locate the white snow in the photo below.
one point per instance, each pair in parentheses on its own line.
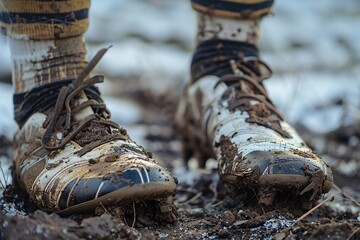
(8,126)
(306,97)
(156,20)
(5,63)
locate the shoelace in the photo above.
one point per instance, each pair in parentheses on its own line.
(62,116)
(243,73)
(238,65)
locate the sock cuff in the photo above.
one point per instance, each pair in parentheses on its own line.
(213,57)
(37,99)
(44,20)
(237,9)
(40,99)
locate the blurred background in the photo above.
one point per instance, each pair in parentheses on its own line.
(312,46)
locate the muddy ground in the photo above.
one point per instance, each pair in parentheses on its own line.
(205,211)
(316,62)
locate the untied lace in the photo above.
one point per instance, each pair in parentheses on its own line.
(238,66)
(242,97)
(63,112)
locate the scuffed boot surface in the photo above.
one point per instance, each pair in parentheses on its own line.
(226,113)
(71,158)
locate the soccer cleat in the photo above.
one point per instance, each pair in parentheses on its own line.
(226,113)
(70,157)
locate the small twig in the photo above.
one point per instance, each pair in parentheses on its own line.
(134,220)
(124,219)
(191,199)
(104,208)
(259,201)
(249,200)
(346,195)
(314,208)
(353,233)
(7,180)
(217,204)
(186,190)
(3,185)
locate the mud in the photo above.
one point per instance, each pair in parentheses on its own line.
(229,154)
(202,202)
(41,225)
(264,112)
(317,180)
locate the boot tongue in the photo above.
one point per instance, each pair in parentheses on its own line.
(263,73)
(258,108)
(82,114)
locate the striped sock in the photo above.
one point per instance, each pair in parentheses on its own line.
(236,20)
(46,40)
(238,9)
(212,27)
(228,30)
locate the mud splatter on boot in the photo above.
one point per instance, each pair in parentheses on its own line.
(70,157)
(226,113)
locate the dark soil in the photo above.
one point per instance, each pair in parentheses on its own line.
(205,211)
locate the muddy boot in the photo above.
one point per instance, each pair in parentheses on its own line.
(226,113)
(70,157)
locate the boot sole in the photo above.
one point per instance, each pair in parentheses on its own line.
(140,192)
(265,186)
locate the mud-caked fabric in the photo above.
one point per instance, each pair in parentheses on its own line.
(239,9)
(70,157)
(45,19)
(45,39)
(213,57)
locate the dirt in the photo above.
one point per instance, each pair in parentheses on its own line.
(204,208)
(317,180)
(5,145)
(229,154)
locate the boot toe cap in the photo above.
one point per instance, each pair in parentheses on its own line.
(135,180)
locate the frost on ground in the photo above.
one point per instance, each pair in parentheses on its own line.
(314,51)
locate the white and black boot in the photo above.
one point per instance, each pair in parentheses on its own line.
(71,158)
(226,113)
